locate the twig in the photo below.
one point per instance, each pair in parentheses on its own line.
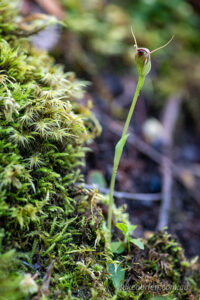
(53,7)
(26,29)
(170,114)
(44,290)
(130,196)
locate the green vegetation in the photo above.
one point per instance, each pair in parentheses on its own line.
(119,149)
(143,63)
(9,277)
(127,231)
(52,229)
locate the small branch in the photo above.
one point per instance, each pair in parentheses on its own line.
(47,277)
(166,195)
(124,195)
(26,28)
(170,114)
(52,7)
(44,290)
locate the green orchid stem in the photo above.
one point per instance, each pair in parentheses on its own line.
(118,153)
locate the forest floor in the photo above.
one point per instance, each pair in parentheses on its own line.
(169,167)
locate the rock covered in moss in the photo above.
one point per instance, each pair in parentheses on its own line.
(43,131)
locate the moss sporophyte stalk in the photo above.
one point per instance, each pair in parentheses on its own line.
(143,64)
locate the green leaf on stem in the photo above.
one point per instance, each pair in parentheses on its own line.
(117,247)
(126,229)
(123,227)
(119,149)
(138,243)
(117,275)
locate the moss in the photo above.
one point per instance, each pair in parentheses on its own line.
(9,277)
(43,131)
(161,269)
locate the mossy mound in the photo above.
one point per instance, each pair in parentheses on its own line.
(56,227)
(42,131)
(160,269)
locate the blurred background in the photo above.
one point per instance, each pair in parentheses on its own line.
(159,174)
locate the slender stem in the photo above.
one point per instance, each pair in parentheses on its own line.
(117,157)
(131,110)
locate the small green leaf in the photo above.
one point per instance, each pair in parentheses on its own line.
(117,275)
(138,243)
(117,247)
(119,149)
(96,177)
(123,227)
(131,228)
